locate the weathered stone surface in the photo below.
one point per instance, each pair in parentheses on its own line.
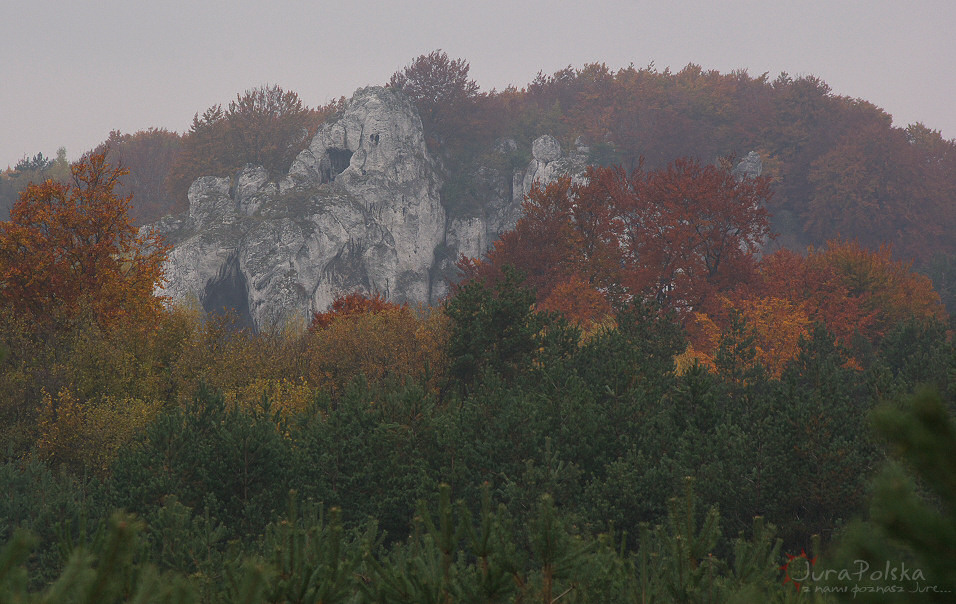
(360,209)
(546,148)
(253,189)
(749,167)
(548,165)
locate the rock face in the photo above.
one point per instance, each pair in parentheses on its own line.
(749,167)
(360,209)
(549,164)
(503,194)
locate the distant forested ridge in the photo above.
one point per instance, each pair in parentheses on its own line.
(840,169)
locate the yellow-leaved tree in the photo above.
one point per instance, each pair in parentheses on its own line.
(377,339)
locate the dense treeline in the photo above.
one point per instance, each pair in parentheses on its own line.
(266,126)
(545,435)
(625,400)
(565,443)
(839,167)
(689,237)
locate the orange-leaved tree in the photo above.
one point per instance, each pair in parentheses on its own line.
(70,249)
(776,324)
(696,232)
(855,292)
(852,289)
(885,287)
(351,304)
(377,339)
(681,235)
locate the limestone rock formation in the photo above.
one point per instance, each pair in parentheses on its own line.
(749,167)
(549,164)
(360,209)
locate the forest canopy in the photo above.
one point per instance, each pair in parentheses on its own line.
(668,382)
(839,168)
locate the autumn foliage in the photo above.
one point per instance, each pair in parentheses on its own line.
(442,91)
(70,249)
(679,235)
(689,237)
(350,305)
(585,427)
(372,337)
(267,126)
(840,168)
(148,156)
(852,291)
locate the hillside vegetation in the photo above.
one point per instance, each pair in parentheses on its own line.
(649,390)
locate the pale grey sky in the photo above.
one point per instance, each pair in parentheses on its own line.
(71,71)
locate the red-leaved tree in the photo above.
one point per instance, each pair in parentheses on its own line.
(679,235)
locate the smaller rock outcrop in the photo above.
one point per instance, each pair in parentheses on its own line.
(502,196)
(749,167)
(548,164)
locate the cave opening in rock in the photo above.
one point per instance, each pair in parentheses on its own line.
(227,295)
(338,161)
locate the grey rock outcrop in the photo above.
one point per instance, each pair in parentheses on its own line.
(749,167)
(548,164)
(502,194)
(360,209)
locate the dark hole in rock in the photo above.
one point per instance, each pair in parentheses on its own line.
(338,161)
(228,295)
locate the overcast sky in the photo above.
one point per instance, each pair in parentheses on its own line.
(71,71)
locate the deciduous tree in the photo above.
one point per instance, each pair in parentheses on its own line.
(267,126)
(679,235)
(697,233)
(441,90)
(885,287)
(351,304)
(854,292)
(376,339)
(148,155)
(69,249)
